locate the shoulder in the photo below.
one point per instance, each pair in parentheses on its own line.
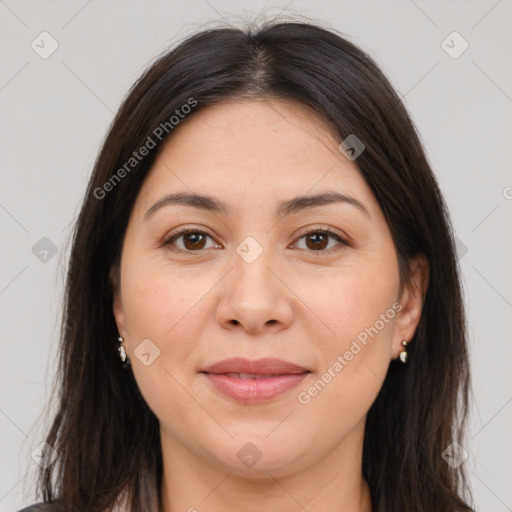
(43,507)
(37,507)
(57,506)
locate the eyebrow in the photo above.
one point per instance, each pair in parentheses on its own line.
(288,207)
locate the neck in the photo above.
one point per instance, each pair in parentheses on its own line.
(195,484)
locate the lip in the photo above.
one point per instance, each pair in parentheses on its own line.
(264,366)
(254,390)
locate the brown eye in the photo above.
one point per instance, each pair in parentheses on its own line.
(317,241)
(191,241)
(320,241)
(194,241)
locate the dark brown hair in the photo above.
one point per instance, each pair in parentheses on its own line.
(106,436)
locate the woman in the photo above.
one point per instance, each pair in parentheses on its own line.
(263,306)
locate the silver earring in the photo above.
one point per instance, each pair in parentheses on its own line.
(125,362)
(403,353)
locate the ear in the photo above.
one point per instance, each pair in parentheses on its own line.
(117,308)
(117,304)
(411,300)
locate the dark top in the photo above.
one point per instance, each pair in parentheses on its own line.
(149,497)
(43,507)
(46,507)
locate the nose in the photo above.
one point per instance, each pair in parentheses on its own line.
(254,297)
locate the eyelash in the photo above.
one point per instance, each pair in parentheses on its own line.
(324,231)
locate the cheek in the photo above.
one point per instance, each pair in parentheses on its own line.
(362,302)
(352,299)
(161,300)
(163,305)
(358,306)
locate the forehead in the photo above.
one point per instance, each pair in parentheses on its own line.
(253,131)
(256,149)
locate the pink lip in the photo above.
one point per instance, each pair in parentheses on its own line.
(251,391)
(262,366)
(254,391)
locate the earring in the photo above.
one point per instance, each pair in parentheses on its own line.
(125,362)
(403,353)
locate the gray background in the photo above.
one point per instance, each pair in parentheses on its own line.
(55,113)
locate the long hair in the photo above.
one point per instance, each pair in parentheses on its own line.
(106,436)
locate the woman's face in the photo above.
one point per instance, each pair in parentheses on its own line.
(249,282)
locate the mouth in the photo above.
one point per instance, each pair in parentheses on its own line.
(264,367)
(256,376)
(254,381)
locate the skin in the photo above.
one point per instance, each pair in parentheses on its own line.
(293,302)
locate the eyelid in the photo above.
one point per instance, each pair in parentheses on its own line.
(343,240)
(183,230)
(325,229)
(328,230)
